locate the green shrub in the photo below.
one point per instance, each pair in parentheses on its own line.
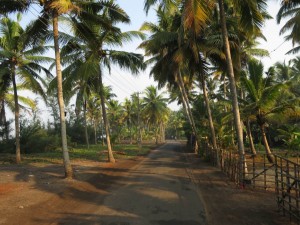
(34,138)
(8,146)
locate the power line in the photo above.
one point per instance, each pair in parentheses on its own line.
(278,47)
(122,77)
(121,82)
(116,85)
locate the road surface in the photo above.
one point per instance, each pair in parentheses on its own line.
(167,187)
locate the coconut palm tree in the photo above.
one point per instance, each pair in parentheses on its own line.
(20,58)
(94,110)
(234,96)
(155,110)
(175,124)
(136,119)
(116,118)
(128,113)
(91,49)
(76,83)
(164,48)
(51,10)
(94,113)
(4,90)
(262,96)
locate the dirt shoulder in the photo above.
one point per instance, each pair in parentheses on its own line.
(38,188)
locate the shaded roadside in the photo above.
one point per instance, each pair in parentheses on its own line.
(227,204)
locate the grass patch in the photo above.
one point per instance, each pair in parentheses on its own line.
(94,153)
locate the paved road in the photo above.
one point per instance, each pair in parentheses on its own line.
(158,191)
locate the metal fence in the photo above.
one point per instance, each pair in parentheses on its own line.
(281,176)
(287,187)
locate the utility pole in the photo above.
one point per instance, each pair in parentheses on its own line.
(139,124)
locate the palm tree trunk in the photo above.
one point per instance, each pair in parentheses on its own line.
(188,109)
(163,133)
(130,133)
(235,106)
(17,118)
(3,120)
(85,126)
(95,132)
(109,148)
(210,120)
(139,123)
(225,92)
(2,113)
(266,144)
(249,134)
(156,137)
(102,130)
(66,158)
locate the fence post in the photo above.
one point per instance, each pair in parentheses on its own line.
(282,187)
(296,188)
(265,173)
(253,170)
(277,182)
(288,181)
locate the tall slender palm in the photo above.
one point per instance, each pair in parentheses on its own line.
(94,109)
(164,47)
(76,84)
(51,10)
(19,58)
(235,106)
(94,112)
(93,51)
(195,18)
(251,19)
(262,95)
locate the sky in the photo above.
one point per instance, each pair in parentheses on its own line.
(275,43)
(124,84)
